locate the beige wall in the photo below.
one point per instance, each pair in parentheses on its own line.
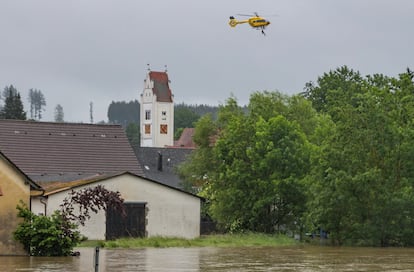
(149,102)
(169,212)
(14,189)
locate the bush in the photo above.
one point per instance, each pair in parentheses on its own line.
(46,235)
(57,235)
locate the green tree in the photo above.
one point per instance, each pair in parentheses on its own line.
(184,117)
(361,184)
(13,106)
(133,134)
(59,115)
(37,103)
(195,171)
(259,161)
(339,85)
(123,113)
(9,90)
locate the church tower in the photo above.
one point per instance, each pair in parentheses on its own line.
(157,111)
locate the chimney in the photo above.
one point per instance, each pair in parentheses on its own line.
(159,161)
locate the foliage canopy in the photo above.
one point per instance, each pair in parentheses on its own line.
(338,158)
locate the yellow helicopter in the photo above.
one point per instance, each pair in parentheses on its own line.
(254,21)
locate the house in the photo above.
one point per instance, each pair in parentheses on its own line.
(15,186)
(59,157)
(186,139)
(160,164)
(157,111)
(46,150)
(157,209)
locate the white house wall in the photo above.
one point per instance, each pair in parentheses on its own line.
(170,212)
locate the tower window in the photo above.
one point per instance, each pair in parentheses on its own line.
(163,129)
(147,115)
(147,129)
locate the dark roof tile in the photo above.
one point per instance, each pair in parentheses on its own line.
(40,148)
(171,158)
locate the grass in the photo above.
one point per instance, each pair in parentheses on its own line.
(217,240)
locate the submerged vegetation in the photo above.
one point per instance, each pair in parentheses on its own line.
(222,240)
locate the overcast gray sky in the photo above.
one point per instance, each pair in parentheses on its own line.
(82,51)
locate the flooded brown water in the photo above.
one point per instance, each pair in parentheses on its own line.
(305,258)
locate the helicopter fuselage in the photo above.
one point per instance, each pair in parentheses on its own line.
(255,22)
(258,22)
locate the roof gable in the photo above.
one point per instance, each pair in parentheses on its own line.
(33,184)
(45,148)
(186,139)
(161,88)
(56,187)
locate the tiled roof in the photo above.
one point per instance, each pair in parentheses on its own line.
(33,185)
(42,149)
(149,158)
(161,87)
(186,139)
(51,188)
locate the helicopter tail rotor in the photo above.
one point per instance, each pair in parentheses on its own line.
(233,22)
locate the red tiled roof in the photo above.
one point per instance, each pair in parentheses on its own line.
(186,139)
(40,148)
(161,87)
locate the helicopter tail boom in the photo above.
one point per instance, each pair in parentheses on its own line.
(233,22)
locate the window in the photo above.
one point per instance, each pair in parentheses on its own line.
(163,129)
(164,115)
(147,115)
(147,129)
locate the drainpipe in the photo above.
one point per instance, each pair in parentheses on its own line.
(43,200)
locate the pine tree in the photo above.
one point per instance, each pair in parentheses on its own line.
(37,103)
(59,113)
(13,107)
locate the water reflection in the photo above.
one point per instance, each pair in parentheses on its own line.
(223,259)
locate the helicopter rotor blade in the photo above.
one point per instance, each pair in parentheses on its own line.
(249,15)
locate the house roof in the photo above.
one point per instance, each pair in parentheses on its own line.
(46,149)
(186,139)
(161,88)
(33,184)
(149,158)
(51,188)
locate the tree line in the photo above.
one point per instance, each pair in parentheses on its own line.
(337,158)
(13,108)
(127,114)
